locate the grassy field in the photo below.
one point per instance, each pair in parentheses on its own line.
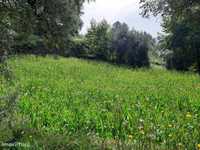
(116,106)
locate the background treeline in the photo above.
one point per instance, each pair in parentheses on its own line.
(116,43)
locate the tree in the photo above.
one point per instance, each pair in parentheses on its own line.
(120,40)
(98,39)
(181,23)
(139,46)
(130,46)
(54,22)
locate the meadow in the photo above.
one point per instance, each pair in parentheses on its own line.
(114,106)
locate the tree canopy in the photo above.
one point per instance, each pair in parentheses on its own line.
(182,27)
(52,22)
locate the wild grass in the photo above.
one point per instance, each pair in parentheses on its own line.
(116,106)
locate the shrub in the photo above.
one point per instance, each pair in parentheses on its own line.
(78,47)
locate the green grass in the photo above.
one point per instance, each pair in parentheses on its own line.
(154,109)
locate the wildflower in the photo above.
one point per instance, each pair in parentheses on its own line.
(179,144)
(141,128)
(170,126)
(142,132)
(112,142)
(141,121)
(188,115)
(130,136)
(198,146)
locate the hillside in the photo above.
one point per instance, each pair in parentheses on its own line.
(60,96)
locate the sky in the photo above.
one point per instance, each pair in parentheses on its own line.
(119,10)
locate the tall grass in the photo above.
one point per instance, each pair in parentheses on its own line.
(116,106)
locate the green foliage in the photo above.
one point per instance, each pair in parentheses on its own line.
(131,47)
(6,36)
(181,23)
(186,47)
(120,40)
(52,22)
(118,44)
(98,40)
(78,48)
(115,107)
(31,44)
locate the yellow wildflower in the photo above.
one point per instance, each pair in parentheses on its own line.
(130,136)
(198,146)
(170,126)
(188,115)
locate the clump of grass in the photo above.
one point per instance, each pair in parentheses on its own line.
(145,109)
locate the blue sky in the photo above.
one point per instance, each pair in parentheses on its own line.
(119,10)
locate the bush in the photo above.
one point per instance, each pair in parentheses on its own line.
(180,60)
(30,44)
(78,48)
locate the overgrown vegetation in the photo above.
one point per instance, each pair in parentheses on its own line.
(112,106)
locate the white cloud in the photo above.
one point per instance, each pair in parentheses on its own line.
(119,10)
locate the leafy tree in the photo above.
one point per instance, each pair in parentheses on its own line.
(120,40)
(139,46)
(181,23)
(131,47)
(78,47)
(98,39)
(54,22)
